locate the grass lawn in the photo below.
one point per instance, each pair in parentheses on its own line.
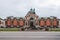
(9,29)
(18,29)
(54,29)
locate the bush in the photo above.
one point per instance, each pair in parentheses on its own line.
(54,29)
(9,29)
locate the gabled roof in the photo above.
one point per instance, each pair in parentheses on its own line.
(32,11)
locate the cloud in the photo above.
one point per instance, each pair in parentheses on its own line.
(21,7)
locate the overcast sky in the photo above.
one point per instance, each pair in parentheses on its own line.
(20,8)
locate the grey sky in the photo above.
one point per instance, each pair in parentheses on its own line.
(20,8)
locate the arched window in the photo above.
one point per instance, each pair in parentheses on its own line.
(31,18)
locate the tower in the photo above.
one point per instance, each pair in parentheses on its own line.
(31,19)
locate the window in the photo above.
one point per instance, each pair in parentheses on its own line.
(31,18)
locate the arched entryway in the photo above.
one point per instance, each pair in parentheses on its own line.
(31,24)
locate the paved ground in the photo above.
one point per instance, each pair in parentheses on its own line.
(29,35)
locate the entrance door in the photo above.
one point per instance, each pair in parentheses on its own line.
(31,24)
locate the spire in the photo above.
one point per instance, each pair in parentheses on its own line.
(32,10)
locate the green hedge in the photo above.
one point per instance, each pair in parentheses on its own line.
(9,29)
(18,29)
(54,29)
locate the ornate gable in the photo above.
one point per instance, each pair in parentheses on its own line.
(31,14)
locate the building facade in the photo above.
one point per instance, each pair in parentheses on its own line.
(31,19)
